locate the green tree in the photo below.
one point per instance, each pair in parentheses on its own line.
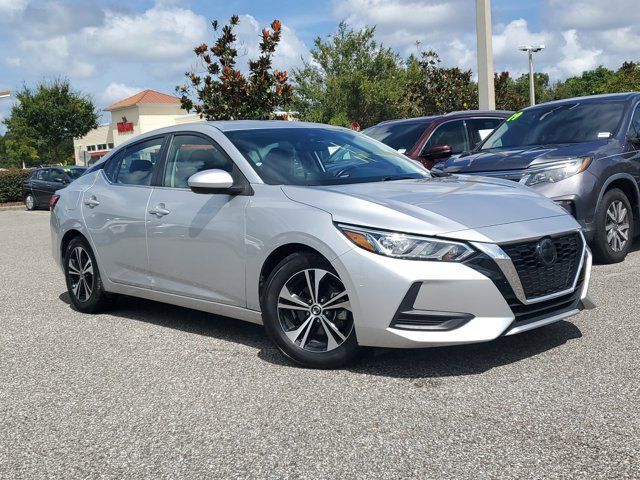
(541,85)
(508,96)
(223,92)
(626,79)
(350,78)
(44,121)
(590,82)
(432,89)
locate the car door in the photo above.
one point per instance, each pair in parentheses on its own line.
(114,210)
(40,186)
(632,148)
(195,240)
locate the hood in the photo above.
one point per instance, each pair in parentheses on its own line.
(518,158)
(430,206)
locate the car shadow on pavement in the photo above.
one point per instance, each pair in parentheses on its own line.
(458,360)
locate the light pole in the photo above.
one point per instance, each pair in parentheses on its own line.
(486,91)
(531,49)
(5,94)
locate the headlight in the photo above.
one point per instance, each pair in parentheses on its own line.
(555,171)
(409,247)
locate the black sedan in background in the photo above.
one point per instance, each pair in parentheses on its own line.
(44,181)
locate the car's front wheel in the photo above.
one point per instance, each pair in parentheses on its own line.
(30,202)
(614,227)
(83,277)
(307,312)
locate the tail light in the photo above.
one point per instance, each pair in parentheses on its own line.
(53,200)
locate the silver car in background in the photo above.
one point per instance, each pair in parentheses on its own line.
(330,239)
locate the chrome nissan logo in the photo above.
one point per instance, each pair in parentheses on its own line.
(546,252)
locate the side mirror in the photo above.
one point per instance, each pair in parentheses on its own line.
(438,152)
(211,181)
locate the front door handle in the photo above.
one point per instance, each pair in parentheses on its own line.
(92,202)
(159,210)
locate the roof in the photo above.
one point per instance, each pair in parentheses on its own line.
(145,97)
(593,98)
(460,114)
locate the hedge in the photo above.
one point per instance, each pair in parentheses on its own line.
(11,184)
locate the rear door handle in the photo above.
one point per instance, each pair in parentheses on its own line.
(159,210)
(92,202)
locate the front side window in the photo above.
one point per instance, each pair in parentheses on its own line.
(321,156)
(135,167)
(577,122)
(480,128)
(450,133)
(57,176)
(43,175)
(634,128)
(191,154)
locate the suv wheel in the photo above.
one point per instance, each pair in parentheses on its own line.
(83,277)
(614,227)
(307,314)
(30,202)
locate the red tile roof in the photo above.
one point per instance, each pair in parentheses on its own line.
(146,96)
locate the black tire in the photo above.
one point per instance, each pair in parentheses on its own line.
(277,319)
(604,250)
(85,289)
(30,202)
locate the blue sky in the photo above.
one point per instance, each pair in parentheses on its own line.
(112,49)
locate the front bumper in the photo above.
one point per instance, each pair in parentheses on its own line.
(474,308)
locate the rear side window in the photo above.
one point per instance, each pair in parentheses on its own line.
(191,154)
(135,166)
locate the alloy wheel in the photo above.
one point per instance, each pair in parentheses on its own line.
(30,202)
(80,269)
(314,310)
(617,226)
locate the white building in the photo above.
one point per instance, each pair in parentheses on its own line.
(141,113)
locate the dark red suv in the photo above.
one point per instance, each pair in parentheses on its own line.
(430,140)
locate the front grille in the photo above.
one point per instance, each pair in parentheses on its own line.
(538,279)
(535,311)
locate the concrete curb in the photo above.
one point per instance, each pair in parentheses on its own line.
(13,207)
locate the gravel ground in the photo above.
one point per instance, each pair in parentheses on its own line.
(154,391)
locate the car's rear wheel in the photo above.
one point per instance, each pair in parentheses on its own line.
(30,202)
(614,227)
(83,277)
(307,312)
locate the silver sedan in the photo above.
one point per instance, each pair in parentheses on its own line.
(330,239)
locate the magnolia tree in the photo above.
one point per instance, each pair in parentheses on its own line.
(222,92)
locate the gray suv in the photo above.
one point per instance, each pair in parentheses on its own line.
(584,153)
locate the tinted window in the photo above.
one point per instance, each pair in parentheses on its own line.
(480,128)
(319,156)
(56,175)
(450,133)
(557,124)
(135,166)
(634,128)
(74,172)
(190,154)
(401,136)
(43,174)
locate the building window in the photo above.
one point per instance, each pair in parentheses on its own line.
(110,146)
(102,146)
(91,148)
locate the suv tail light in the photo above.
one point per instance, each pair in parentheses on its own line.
(53,200)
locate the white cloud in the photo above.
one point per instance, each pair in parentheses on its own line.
(576,58)
(116,91)
(9,9)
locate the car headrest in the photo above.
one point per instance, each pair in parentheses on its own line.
(209,160)
(140,166)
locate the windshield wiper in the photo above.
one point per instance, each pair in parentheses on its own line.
(398,177)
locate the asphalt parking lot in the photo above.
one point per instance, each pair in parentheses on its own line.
(154,391)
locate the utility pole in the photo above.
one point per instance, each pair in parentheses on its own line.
(531,49)
(486,91)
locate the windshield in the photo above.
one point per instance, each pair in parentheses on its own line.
(556,124)
(401,136)
(74,172)
(321,156)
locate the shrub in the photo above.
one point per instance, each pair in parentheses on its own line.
(11,184)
